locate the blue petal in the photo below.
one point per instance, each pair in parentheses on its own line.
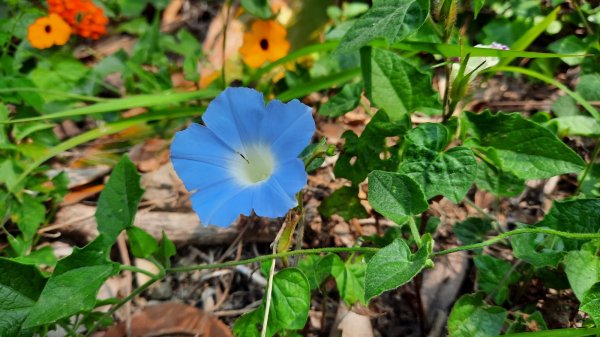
(234,115)
(291,175)
(221,204)
(271,200)
(288,127)
(200,158)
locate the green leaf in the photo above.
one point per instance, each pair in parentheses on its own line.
(573,216)
(142,244)
(396,196)
(345,203)
(258,8)
(500,183)
(20,287)
(450,173)
(472,230)
(43,256)
(309,265)
(30,214)
(477,5)
(589,87)
(583,271)
(494,276)
(344,101)
(539,250)
(94,253)
(395,265)
(166,250)
(69,293)
(393,20)
(247,325)
(521,147)
(314,154)
(569,45)
(364,154)
(349,277)
(119,199)
(590,186)
(395,85)
(565,106)
(472,317)
(591,302)
(575,126)
(290,301)
(526,322)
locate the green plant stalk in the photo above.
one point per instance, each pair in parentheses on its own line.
(553,82)
(108,129)
(56,92)
(588,166)
(500,237)
(315,48)
(138,101)
(137,270)
(414,231)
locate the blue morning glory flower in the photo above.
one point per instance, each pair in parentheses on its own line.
(245,158)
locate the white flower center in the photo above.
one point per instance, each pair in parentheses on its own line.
(253,166)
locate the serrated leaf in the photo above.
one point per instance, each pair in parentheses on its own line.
(450,173)
(472,317)
(345,100)
(345,203)
(20,287)
(142,244)
(396,196)
(68,294)
(395,85)
(521,147)
(258,8)
(591,302)
(494,276)
(395,265)
(393,20)
(119,199)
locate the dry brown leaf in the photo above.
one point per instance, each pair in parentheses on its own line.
(172,319)
(78,194)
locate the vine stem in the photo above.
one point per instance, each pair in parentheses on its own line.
(312,251)
(414,231)
(577,236)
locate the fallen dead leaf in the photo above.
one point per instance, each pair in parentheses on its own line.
(172,319)
(80,193)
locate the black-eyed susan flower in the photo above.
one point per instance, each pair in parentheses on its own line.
(266,41)
(48,31)
(246,157)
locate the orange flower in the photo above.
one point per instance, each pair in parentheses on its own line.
(266,41)
(48,31)
(83,16)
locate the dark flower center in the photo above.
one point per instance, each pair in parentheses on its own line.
(48,29)
(264,44)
